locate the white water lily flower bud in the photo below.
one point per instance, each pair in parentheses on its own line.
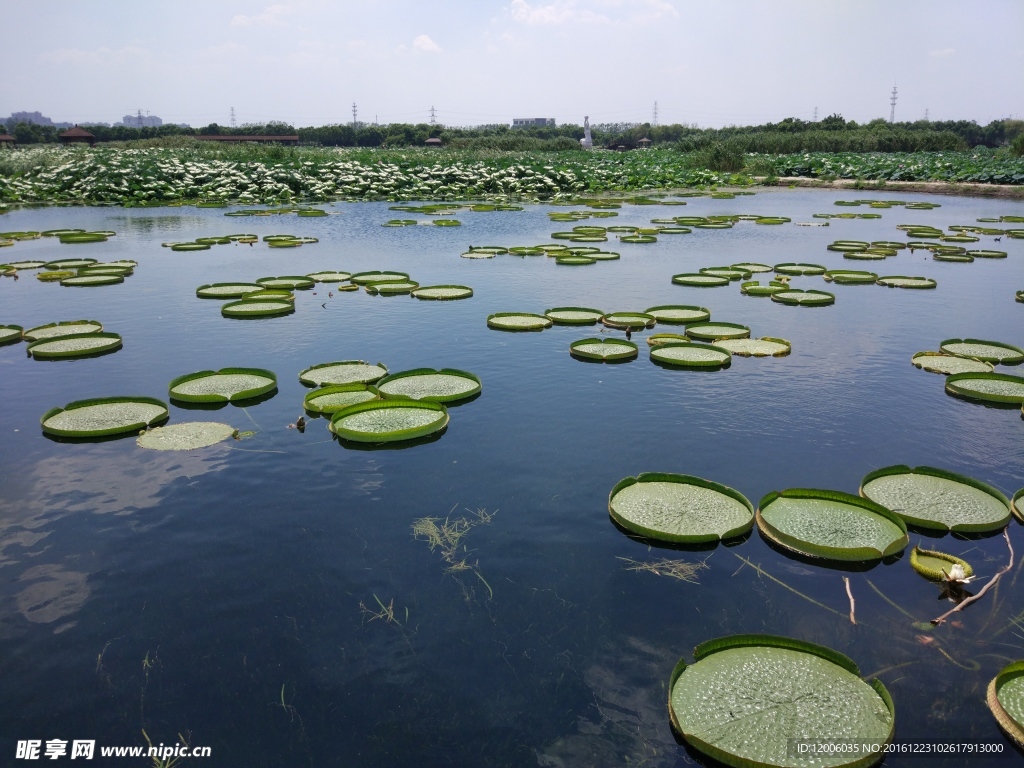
(956,573)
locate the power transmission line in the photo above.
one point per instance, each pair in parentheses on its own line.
(355,122)
(926,114)
(892,104)
(815,114)
(232,117)
(655,114)
(433,116)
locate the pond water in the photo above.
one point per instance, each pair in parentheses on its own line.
(235,594)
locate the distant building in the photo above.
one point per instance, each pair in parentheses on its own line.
(293,139)
(36,118)
(141,121)
(533,122)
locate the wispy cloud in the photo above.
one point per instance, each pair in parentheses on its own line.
(942,53)
(591,11)
(559,12)
(426,45)
(270,17)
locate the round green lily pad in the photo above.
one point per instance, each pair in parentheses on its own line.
(715,331)
(990,351)
(225,385)
(329,276)
(831,525)
(936,565)
(64,328)
(699,280)
(255,308)
(940,362)
(291,282)
(747,699)
(1005,699)
(679,508)
(273,295)
(27,264)
(573,315)
(603,349)
(99,417)
(447,385)
(667,338)
(386,421)
(763,347)
(80,345)
(901,281)
(391,287)
(574,261)
(790,268)
(186,436)
(517,321)
(479,254)
(69,263)
(752,266)
(755,288)
(983,254)
(849,276)
(443,292)
(365,278)
(988,387)
(691,355)
(190,247)
(677,314)
(81,280)
(810,298)
(934,498)
(343,372)
(628,320)
(332,399)
(732,273)
(10,334)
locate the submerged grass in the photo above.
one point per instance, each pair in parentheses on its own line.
(446,537)
(673,569)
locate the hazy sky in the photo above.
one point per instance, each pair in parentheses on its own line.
(715,62)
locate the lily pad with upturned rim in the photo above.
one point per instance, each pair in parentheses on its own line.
(679,508)
(937,499)
(793,268)
(987,387)
(104,416)
(714,331)
(679,314)
(573,315)
(763,347)
(801,298)
(226,290)
(329,276)
(290,282)
(691,355)
(331,399)
(225,385)
(936,566)
(699,280)
(91,281)
(754,288)
(257,308)
(656,339)
(747,698)
(391,287)
(364,278)
(940,362)
(732,273)
(447,385)
(849,277)
(902,281)
(186,436)
(831,524)
(343,372)
(1005,699)
(80,345)
(628,320)
(518,321)
(443,292)
(989,351)
(63,328)
(10,334)
(386,421)
(604,349)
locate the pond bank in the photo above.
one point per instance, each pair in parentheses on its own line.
(969,189)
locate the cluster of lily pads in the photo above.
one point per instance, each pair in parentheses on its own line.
(80,272)
(301,211)
(723,704)
(968,365)
(63,340)
(273,241)
(703,343)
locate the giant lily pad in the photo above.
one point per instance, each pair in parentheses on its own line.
(790,268)
(88,281)
(603,349)
(386,421)
(831,525)
(990,351)
(747,698)
(1006,700)
(365,278)
(801,298)
(329,276)
(732,273)
(939,362)
(99,417)
(901,281)
(518,321)
(255,308)
(628,320)
(937,499)
(291,282)
(443,292)
(573,315)
(679,508)
(225,385)
(64,328)
(226,290)
(936,566)
(763,347)
(185,437)
(755,288)
(677,314)
(987,387)
(447,385)
(717,330)
(343,372)
(691,355)
(80,345)
(391,287)
(10,334)
(332,399)
(656,339)
(849,277)
(698,280)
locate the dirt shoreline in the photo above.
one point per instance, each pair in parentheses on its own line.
(1012,192)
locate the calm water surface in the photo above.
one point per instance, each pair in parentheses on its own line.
(233,594)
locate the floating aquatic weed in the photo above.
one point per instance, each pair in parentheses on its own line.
(185,437)
(603,349)
(667,566)
(937,499)
(447,385)
(677,314)
(80,345)
(990,351)
(225,385)
(100,417)
(343,372)
(763,347)
(517,321)
(940,362)
(988,387)
(691,355)
(63,328)
(679,508)
(331,399)
(729,703)
(443,292)
(380,421)
(831,525)
(938,566)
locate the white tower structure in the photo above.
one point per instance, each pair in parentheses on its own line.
(586,142)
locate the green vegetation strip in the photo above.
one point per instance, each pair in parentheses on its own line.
(679,508)
(747,698)
(100,417)
(225,385)
(385,421)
